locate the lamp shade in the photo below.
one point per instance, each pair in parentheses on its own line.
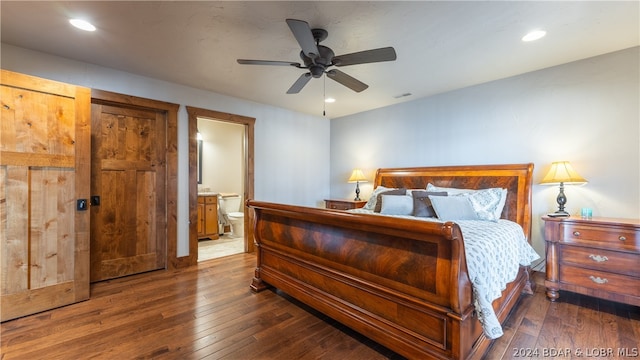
(357,176)
(562,172)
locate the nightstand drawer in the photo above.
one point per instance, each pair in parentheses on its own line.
(600,280)
(610,237)
(339,206)
(599,259)
(344,204)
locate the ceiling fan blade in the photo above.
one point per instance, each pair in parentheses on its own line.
(367,56)
(346,80)
(302,32)
(267,62)
(299,84)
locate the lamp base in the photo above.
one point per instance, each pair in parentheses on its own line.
(357,198)
(561,200)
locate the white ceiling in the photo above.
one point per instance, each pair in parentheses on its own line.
(441,46)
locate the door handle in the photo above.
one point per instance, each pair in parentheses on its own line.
(81,204)
(95,200)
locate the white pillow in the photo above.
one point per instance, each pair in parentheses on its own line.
(485,203)
(397,205)
(453,207)
(371,203)
(501,203)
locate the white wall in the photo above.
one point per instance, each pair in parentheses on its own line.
(290,147)
(223,157)
(586,112)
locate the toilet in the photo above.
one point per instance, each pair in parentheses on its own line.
(229,206)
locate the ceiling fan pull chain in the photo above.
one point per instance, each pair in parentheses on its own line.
(324,95)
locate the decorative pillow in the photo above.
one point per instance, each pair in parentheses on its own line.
(378,205)
(486,202)
(501,203)
(422,205)
(496,210)
(453,207)
(371,203)
(396,205)
(410,191)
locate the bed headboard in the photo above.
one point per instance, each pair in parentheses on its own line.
(516,178)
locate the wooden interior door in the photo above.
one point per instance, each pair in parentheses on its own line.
(128,211)
(44,189)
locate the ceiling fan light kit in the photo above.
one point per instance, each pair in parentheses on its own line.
(319,58)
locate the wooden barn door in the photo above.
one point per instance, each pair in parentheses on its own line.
(128,212)
(44,190)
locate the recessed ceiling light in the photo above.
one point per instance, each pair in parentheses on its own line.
(534,35)
(82,24)
(329,100)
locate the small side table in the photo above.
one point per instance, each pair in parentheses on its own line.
(343,204)
(596,257)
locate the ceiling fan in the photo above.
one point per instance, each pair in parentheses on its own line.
(318,58)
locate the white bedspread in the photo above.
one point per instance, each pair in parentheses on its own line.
(494,251)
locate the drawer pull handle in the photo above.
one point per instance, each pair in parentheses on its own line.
(622,238)
(598,280)
(576,233)
(598,258)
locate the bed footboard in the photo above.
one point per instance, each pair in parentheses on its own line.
(401,283)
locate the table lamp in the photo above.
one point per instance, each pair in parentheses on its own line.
(562,172)
(356,177)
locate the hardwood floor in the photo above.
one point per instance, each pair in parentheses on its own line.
(574,327)
(208,312)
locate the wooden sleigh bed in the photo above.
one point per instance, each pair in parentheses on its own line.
(401,282)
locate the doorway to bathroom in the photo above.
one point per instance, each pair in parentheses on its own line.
(221,174)
(220,171)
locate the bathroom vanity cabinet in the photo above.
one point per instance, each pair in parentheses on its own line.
(208,216)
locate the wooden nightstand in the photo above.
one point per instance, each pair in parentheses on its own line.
(343,204)
(597,257)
